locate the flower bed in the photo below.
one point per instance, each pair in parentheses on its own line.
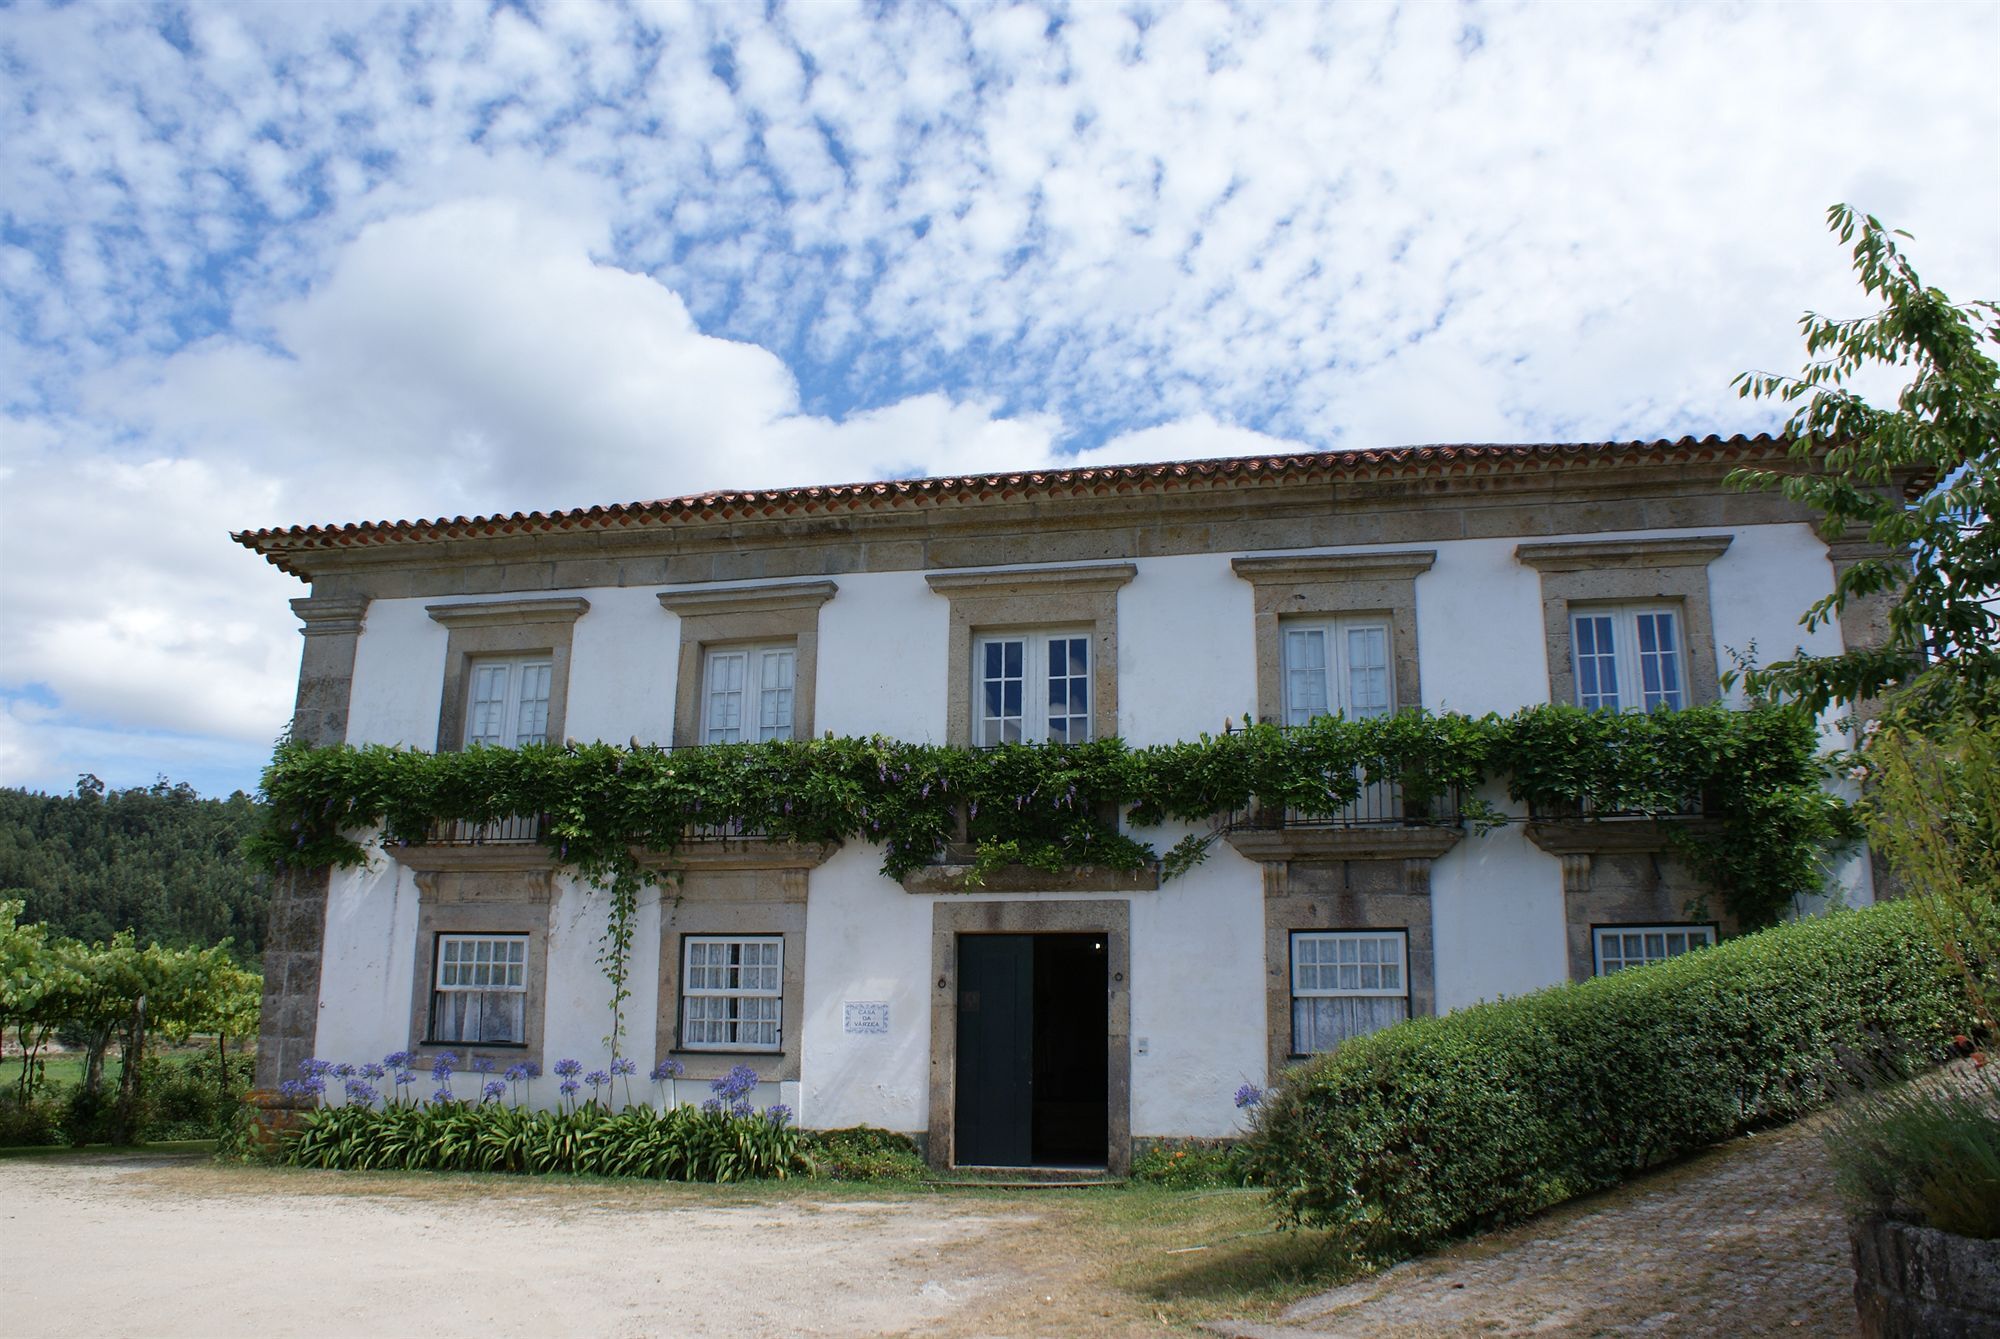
(726,1138)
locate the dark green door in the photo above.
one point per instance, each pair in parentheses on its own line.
(996,1029)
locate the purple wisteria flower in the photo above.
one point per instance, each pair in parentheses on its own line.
(493,1091)
(361,1092)
(667,1069)
(1249,1095)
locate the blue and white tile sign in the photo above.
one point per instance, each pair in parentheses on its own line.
(867,1018)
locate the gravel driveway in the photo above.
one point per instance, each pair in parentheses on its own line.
(156,1247)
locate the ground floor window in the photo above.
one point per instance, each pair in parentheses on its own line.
(1620,946)
(732,992)
(1346,983)
(481,990)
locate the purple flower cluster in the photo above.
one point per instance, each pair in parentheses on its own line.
(625,1067)
(493,1090)
(667,1069)
(737,1084)
(1249,1095)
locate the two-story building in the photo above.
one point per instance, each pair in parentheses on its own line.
(1033,1018)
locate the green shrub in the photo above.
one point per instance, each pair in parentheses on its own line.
(1193,1164)
(683,1144)
(1925,1152)
(35,1120)
(863,1153)
(1442,1126)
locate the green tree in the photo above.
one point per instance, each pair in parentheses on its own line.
(1921,477)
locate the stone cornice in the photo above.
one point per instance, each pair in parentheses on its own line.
(487,858)
(737,599)
(1018,879)
(1591,555)
(1357,843)
(1394,565)
(1096,577)
(739,853)
(494,613)
(331,616)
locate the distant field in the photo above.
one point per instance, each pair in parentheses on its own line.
(67,1066)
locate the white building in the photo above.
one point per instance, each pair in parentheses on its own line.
(1035,1018)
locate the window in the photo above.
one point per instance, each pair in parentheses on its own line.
(1620,946)
(481,994)
(1336,667)
(1628,658)
(1030,687)
(1346,983)
(508,704)
(749,693)
(732,995)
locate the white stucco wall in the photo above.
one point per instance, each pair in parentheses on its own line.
(1186,662)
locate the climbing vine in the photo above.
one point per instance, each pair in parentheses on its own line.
(1057,806)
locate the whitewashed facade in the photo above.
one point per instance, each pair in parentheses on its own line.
(1449,578)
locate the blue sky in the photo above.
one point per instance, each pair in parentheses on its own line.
(272,263)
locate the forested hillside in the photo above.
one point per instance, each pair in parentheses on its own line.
(159,861)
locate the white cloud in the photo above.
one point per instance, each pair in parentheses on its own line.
(350,261)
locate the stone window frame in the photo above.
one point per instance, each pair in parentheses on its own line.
(482,901)
(1402,903)
(479,629)
(1598,928)
(1670,571)
(775,612)
(1033,599)
(1110,917)
(1292,973)
(748,902)
(1335,585)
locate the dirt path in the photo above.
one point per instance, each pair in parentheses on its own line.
(139,1246)
(1745,1240)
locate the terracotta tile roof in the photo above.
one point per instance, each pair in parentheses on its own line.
(831,499)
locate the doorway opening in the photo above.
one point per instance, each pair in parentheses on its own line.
(1033,1035)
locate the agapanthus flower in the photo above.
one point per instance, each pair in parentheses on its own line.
(373,1071)
(397,1059)
(569,1069)
(361,1091)
(668,1069)
(738,1082)
(314,1085)
(777,1113)
(568,1087)
(441,1069)
(597,1078)
(482,1065)
(713,1106)
(404,1078)
(292,1088)
(524,1070)
(343,1070)
(742,1109)
(1249,1095)
(623,1065)
(494,1090)
(444,1095)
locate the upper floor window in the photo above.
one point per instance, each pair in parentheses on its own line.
(508,704)
(748,693)
(1337,666)
(1031,687)
(1628,657)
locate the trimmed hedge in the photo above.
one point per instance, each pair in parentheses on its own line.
(682,1144)
(1443,1126)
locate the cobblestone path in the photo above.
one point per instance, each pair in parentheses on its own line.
(1746,1239)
